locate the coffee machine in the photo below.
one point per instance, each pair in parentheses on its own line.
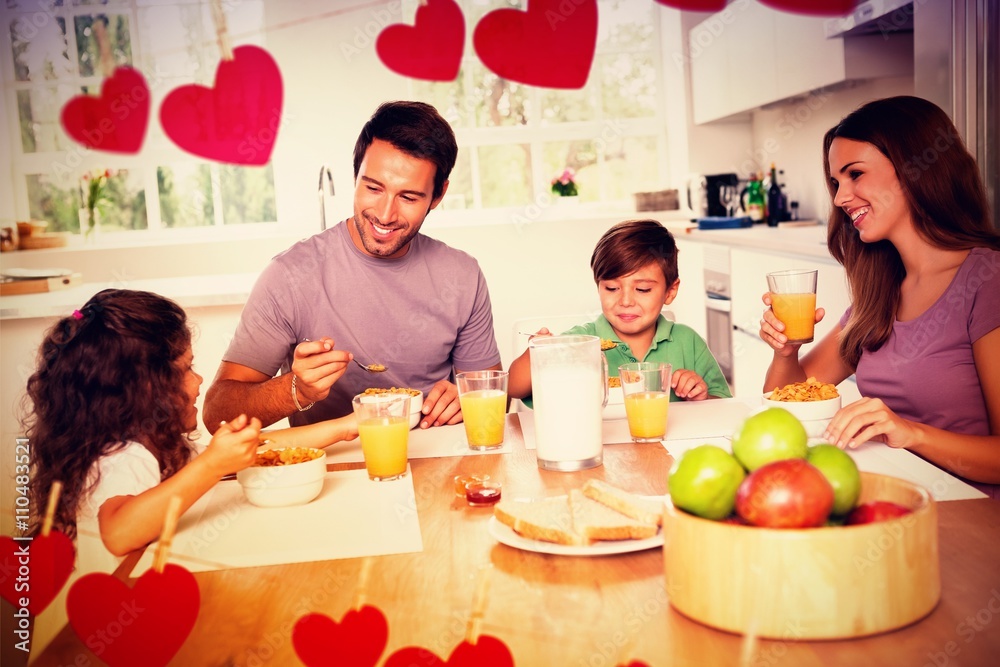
(713,182)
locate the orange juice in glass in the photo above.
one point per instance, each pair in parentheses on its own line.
(647,414)
(483,397)
(646,386)
(793,300)
(384,430)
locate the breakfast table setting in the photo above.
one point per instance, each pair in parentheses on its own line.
(408,571)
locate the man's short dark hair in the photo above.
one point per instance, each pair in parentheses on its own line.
(418,130)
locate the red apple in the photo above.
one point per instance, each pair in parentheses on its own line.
(876,510)
(790,493)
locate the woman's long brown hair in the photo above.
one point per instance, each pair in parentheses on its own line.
(106,376)
(944,192)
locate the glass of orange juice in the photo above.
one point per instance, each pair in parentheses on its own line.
(793,300)
(646,386)
(384,429)
(483,396)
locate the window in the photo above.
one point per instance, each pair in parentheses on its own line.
(515,138)
(55,53)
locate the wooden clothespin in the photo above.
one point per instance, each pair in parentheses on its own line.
(361,596)
(748,647)
(221,31)
(474,626)
(50,509)
(167,535)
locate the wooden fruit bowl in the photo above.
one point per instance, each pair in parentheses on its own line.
(817,583)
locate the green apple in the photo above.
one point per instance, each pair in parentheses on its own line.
(703,481)
(774,434)
(841,471)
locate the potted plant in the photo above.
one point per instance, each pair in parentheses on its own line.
(563,185)
(94,188)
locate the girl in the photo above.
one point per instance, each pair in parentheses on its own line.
(910,225)
(113,410)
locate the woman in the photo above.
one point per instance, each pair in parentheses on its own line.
(910,225)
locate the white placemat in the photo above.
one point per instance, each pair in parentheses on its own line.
(697,419)
(352,517)
(424,443)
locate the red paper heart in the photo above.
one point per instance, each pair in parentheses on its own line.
(144,625)
(551,44)
(486,652)
(116,120)
(431,49)
(47,562)
(357,641)
(636,663)
(813,7)
(237,120)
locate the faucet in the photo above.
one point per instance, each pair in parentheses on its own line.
(324,175)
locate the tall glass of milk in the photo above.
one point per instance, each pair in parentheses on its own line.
(569,391)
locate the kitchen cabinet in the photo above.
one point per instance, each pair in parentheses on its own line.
(750,55)
(749,269)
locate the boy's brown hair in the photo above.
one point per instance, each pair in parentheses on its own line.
(630,245)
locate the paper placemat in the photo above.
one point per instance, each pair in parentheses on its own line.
(352,517)
(425,443)
(697,419)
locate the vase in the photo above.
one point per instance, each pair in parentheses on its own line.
(568,200)
(90,224)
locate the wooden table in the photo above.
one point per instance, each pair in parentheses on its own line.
(554,610)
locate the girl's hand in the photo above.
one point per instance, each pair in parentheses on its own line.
(234,446)
(541,332)
(771,329)
(870,419)
(689,385)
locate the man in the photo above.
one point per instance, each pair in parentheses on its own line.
(371,286)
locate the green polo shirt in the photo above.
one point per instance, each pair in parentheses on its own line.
(676,344)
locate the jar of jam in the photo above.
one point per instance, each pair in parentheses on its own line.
(462,480)
(482,493)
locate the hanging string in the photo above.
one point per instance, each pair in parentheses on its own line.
(221,32)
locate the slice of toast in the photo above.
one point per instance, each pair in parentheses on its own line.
(596,521)
(629,504)
(548,519)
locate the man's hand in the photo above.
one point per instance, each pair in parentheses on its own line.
(317,365)
(441,405)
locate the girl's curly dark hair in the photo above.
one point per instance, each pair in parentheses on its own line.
(106,375)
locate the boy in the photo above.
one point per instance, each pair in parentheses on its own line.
(635,267)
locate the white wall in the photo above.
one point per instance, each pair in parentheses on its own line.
(791,135)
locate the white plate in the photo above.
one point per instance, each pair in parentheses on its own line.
(505,535)
(23,274)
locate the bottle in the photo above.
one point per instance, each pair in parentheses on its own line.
(774,200)
(754,191)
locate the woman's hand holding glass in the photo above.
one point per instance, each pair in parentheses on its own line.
(771,329)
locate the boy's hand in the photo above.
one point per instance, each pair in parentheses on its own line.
(234,446)
(689,385)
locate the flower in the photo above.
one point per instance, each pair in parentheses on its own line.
(563,184)
(94,186)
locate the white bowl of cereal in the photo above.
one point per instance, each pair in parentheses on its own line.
(813,402)
(416,400)
(284,477)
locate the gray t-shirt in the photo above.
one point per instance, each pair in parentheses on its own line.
(421,315)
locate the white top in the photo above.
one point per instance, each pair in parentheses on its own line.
(127,472)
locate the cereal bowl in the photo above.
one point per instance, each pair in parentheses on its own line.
(284,477)
(416,400)
(814,415)
(615,408)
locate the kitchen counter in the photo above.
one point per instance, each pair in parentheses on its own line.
(807,241)
(189,292)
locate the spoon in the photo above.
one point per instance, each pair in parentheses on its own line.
(371,368)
